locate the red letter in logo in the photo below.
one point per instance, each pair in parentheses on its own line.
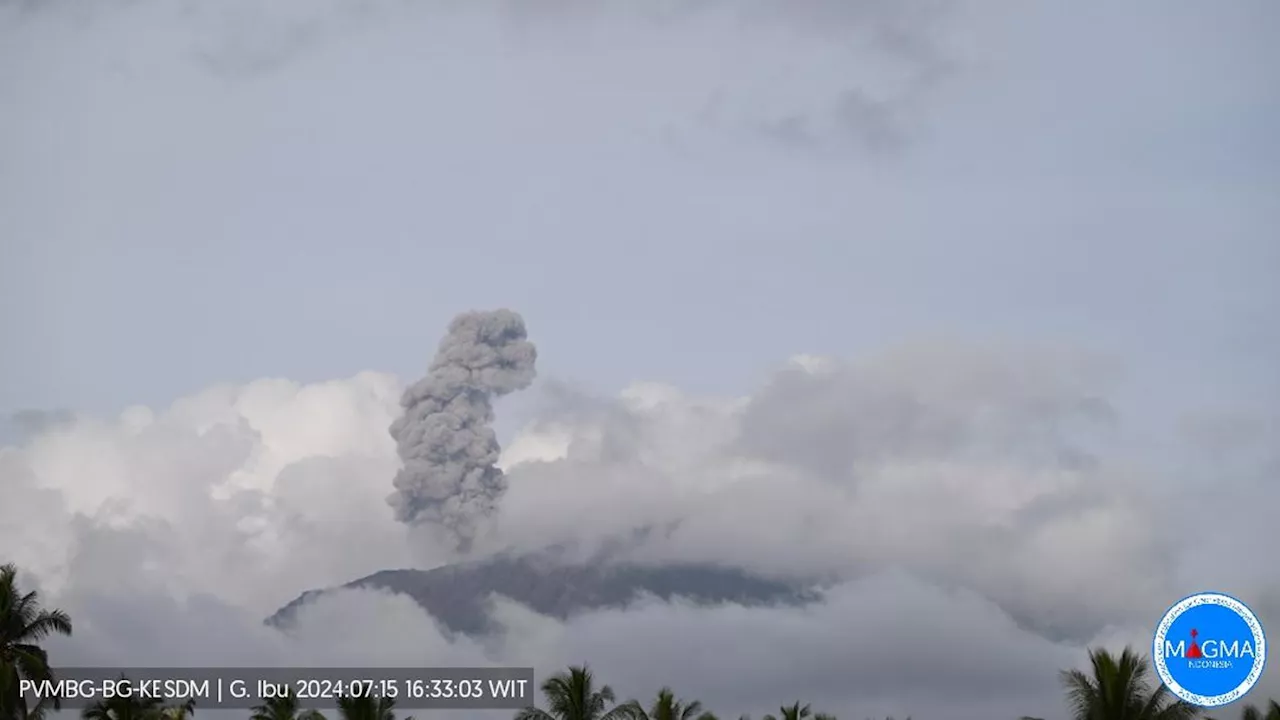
(1193,652)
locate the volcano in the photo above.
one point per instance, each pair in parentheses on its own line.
(456,595)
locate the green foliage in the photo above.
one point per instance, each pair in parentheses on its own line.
(367,707)
(799,712)
(23,624)
(137,708)
(41,709)
(791,712)
(572,695)
(666,707)
(179,711)
(1270,711)
(1120,688)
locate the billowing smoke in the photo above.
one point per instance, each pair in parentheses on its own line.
(444,437)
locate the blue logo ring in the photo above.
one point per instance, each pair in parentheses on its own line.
(1234,654)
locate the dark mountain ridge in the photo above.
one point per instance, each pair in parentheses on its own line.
(456,595)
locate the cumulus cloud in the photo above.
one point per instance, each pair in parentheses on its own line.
(965,555)
(260,482)
(977,468)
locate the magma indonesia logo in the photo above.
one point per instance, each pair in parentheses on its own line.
(1209,649)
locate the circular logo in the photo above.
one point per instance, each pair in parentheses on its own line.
(1209,649)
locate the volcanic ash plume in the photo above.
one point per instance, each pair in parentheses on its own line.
(444,439)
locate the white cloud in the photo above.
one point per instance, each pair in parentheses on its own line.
(262,483)
(967,571)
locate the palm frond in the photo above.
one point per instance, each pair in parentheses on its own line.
(533,713)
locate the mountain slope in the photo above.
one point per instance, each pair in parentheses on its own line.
(455,594)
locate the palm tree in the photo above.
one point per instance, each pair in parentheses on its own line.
(41,709)
(667,707)
(180,711)
(793,712)
(284,708)
(365,707)
(572,695)
(121,707)
(134,707)
(797,712)
(1120,688)
(23,624)
(1271,711)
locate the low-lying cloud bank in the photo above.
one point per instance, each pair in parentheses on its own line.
(975,522)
